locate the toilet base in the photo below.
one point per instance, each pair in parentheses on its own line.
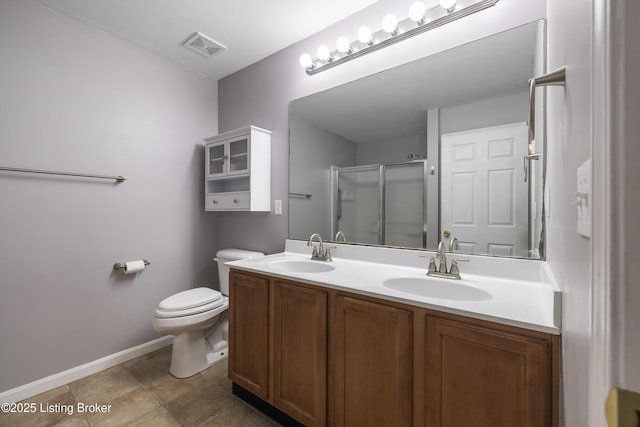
(195,351)
(213,358)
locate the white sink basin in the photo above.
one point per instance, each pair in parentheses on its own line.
(437,288)
(300,266)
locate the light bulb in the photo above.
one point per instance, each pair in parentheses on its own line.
(417,11)
(448,4)
(390,24)
(343,45)
(364,35)
(323,53)
(305,60)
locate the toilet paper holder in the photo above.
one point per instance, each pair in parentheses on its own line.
(120,265)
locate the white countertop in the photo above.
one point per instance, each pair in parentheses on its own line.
(523,292)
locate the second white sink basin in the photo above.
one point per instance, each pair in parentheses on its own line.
(437,288)
(300,266)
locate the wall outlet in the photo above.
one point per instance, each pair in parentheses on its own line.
(278,207)
(583,202)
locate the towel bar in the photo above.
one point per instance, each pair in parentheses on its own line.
(305,196)
(118,178)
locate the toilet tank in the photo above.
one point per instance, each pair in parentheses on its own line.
(226,255)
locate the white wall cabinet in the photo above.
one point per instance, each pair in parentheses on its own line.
(238,170)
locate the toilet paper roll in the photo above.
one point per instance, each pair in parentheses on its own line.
(132,267)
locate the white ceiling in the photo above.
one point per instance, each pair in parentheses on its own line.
(250,29)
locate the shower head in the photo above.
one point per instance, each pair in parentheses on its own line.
(418,156)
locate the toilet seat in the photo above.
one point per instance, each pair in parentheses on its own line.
(189,302)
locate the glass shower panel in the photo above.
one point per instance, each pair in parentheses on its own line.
(404,205)
(359,197)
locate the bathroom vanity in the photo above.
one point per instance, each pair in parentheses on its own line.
(336,345)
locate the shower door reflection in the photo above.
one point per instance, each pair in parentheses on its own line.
(404,205)
(357,203)
(380,204)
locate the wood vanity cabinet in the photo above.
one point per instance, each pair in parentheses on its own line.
(299,349)
(278,344)
(371,369)
(333,358)
(249,332)
(487,376)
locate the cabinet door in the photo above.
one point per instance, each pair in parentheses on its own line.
(238,155)
(216,160)
(371,375)
(248,333)
(300,352)
(480,377)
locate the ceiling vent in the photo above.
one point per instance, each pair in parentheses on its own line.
(203,45)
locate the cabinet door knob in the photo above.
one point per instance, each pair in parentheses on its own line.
(235,200)
(215,201)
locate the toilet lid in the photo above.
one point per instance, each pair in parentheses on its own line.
(189,299)
(167,314)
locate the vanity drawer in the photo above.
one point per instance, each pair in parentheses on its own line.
(227,201)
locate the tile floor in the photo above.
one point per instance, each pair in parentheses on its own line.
(141,392)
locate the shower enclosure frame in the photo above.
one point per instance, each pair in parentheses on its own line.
(336,201)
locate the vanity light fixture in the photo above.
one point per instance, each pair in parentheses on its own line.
(365,36)
(417,12)
(306,60)
(390,24)
(419,21)
(448,5)
(343,45)
(324,54)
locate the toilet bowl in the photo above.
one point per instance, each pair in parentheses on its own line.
(197,318)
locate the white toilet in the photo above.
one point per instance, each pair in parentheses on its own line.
(197,318)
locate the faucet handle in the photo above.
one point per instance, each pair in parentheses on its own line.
(454,267)
(432,265)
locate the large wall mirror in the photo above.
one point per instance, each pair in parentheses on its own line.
(428,151)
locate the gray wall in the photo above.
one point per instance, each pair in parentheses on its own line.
(77,99)
(491,112)
(568,144)
(596,116)
(260,95)
(320,149)
(392,150)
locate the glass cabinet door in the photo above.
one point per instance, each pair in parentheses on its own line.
(216,160)
(238,155)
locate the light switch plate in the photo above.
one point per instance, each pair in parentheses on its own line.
(583,202)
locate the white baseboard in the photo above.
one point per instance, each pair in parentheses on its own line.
(56,380)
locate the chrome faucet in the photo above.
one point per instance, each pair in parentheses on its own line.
(442,256)
(443,271)
(454,245)
(340,235)
(319,252)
